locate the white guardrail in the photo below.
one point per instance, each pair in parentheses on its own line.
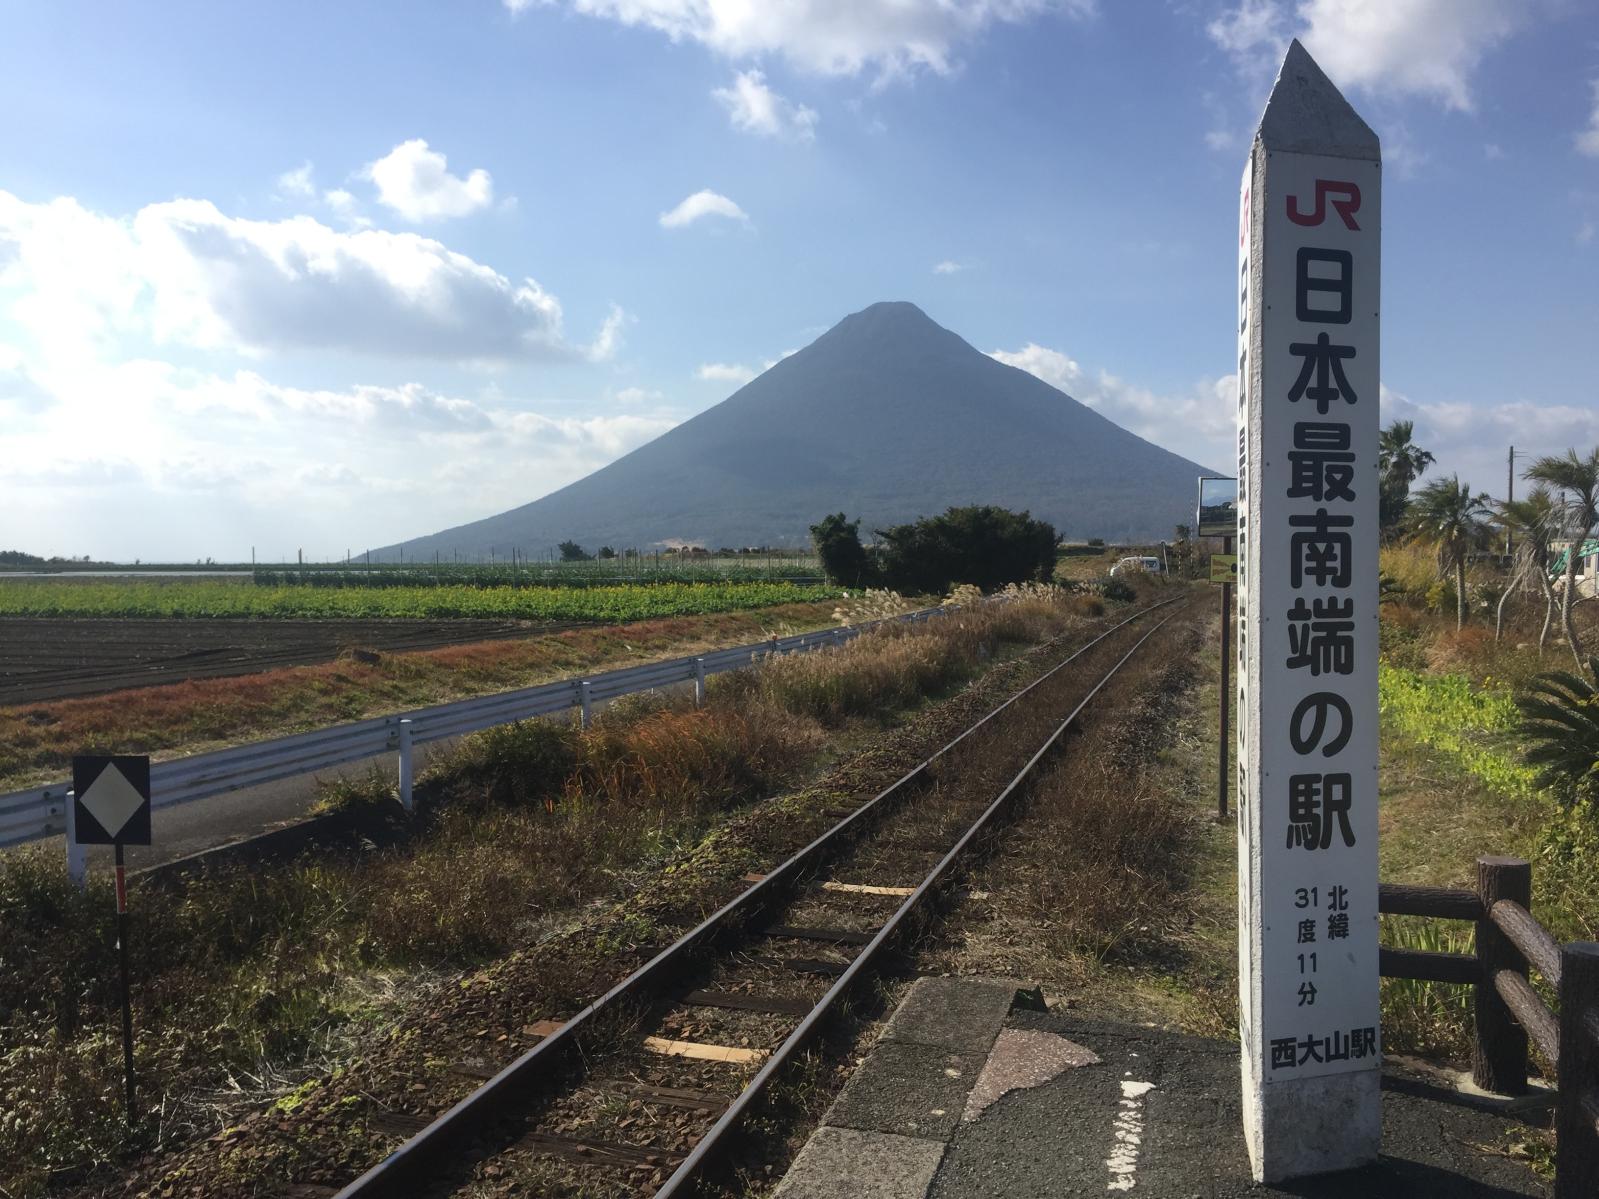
(46,811)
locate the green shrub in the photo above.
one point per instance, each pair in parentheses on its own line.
(1472,725)
(985,545)
(1560,720)
(525,762)
(1118,591)
(838,545)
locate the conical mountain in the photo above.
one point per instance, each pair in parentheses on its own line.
(887,416)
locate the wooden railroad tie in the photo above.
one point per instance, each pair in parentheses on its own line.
(864,889)
(399,1124)
(604,1153)
(815,966)
(732,1054)
(694,1101)
(777,1005)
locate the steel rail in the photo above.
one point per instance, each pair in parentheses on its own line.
(397,1173)
(708,1144)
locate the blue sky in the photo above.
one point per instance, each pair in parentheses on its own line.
(328,276)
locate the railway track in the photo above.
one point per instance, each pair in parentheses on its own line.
(647,1085)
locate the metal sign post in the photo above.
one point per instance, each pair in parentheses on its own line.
(1307,631)
(1217,516)
(1225,691)
(111,806)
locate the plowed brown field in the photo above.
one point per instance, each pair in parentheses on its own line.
(60,658)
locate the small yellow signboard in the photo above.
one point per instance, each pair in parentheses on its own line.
(1224,568)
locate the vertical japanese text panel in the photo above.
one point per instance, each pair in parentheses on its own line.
(1315,616)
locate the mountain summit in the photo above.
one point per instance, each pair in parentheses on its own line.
(887,416)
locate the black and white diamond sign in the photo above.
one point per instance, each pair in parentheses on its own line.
(111,799)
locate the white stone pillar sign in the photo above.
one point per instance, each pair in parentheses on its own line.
(1309,229)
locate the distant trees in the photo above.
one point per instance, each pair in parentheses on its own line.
(1400,462)
(606,552)
(1575,482)
(1448,516)
(985,545)
(571,551)
(838,545)
(1533,522)
(18,558)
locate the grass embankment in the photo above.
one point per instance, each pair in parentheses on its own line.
(1454,788)
(184,598)
(38,740)
(254,977)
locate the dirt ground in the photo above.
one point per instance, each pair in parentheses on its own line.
(60,659)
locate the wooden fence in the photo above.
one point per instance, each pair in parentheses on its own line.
(1507,1010)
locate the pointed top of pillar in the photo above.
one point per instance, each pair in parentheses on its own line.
(1306,114)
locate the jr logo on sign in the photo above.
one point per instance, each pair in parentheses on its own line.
(1345,201)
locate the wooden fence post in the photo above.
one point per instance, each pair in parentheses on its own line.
(1499,1052)
(1577,1106)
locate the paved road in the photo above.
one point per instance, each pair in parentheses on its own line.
(1061,1138)
(206,824)
(963,1097)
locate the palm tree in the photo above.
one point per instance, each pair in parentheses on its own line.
(1533,521)
(1576,480)
(1401,462)
(1446,514)
(1560,717)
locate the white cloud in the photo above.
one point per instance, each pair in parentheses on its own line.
(1401,47)
(633,397)
(725,372)
(148,435)
(755,108)
(297,183)
(702,203)
(948,267)
(1588,139)
(415,182)
(1251,27)
(346,207)
(183,272)
(21,394)
(828,37)
(1199,424)
(1493,151)
(1470,439)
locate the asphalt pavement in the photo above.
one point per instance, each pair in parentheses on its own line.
(1055,1104)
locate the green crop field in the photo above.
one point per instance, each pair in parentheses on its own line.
(201,598)
(546,574)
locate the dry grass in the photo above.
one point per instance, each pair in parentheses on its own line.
(275,971)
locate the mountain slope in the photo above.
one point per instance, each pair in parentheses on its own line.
(887,416)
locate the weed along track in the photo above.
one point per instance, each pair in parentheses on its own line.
(646,1087)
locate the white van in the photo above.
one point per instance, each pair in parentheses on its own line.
(1128,565)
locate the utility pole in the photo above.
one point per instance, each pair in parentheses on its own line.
(1510,492)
